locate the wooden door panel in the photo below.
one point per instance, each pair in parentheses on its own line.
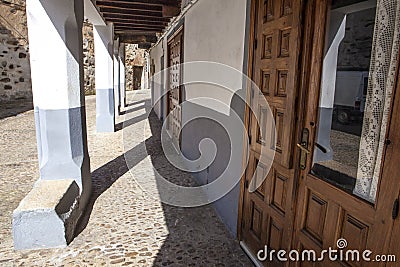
(279,188)
(275,72)
(277,56)
(315,216)
(175,59)
(324,212)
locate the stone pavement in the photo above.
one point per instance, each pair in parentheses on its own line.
(124,225)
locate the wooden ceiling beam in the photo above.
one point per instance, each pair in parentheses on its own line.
(161,26)
(166,12)
(138,22)
(134,32)
(176,3)
(108,15)
(144,45)
(129,5)
(138,28)
(148,30)
(137,39)
(170,11)
(117,10)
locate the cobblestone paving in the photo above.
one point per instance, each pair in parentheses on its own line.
(126,225)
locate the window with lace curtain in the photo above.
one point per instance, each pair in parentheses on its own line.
(359,68)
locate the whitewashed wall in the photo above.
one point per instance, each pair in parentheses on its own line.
(214,31)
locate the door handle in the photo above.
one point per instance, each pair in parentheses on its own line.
(303,145)
(303,148)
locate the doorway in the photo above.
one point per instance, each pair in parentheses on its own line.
(316,75)
(175,59)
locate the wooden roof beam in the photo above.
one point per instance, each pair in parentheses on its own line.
(138,22)
(176,3)
(137,39)
(138,28)
(108,15)
(116,10)
(144,46)
(130,24)
(166,11)
(129,5)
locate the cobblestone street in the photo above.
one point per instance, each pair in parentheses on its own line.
(123,225)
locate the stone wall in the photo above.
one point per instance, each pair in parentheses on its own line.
(355,49)
(134,60)
(15,82)
(88,59)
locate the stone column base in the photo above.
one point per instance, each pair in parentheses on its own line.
(47,216)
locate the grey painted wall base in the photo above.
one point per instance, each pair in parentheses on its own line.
(62,146)
(198,129)
(117,99)
(105,110)
(123,95)
(47,216)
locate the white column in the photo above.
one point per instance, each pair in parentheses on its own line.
(47,216)
(103,49)
(337,32)
(122,75)
(146,70)
(117,96)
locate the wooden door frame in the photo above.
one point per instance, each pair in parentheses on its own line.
(251,43)
(304,60)
(392,162)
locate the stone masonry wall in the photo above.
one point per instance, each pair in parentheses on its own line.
(15,82)
(88,59)
(134,57)
(355,49)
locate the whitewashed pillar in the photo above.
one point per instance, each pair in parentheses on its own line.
(117,96)
(122,75)
(104,65)
(48,215)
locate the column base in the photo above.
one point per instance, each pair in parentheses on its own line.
(47,216)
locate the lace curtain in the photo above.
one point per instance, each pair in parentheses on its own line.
(385,51)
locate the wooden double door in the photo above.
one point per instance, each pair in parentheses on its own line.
(175,59)
(295,209)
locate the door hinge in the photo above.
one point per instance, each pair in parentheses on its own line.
(395,209)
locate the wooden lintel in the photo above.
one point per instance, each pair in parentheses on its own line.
(137,39)
(144,46)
